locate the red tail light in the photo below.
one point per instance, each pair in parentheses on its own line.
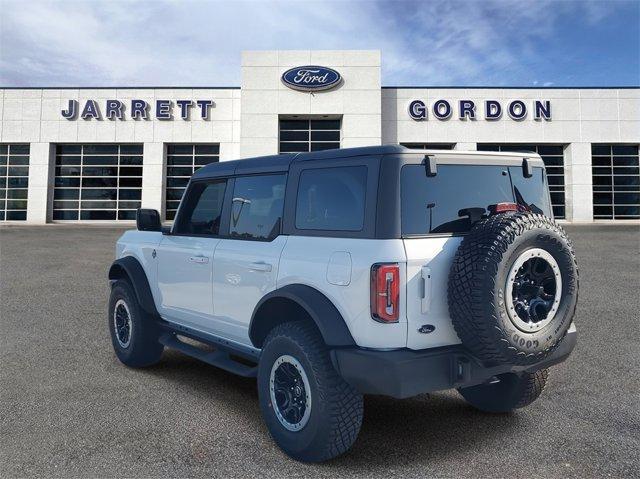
(385,292)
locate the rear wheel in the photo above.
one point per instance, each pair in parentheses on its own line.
(311,412)
(508,392)
(134,333)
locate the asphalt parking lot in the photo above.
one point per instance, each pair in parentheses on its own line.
(69,409)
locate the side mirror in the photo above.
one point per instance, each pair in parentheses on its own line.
(148,220)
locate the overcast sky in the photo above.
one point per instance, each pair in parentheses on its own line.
(198,43)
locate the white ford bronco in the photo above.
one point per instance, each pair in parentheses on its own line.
(333,274)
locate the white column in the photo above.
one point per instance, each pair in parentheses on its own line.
(578,182)
(466,146)
(153,178)
(41,178)
(229,151)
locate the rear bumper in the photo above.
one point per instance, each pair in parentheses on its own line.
(405,373)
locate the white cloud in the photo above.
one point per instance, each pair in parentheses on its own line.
(198,43)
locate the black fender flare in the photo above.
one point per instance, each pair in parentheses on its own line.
(130,268)
(320,309)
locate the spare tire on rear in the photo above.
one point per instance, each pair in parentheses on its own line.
(513,288)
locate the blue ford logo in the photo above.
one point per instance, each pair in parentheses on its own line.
(311,78)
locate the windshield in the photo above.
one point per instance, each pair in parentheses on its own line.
(459,195)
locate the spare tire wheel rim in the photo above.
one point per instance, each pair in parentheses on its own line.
(290,393)
(533,290)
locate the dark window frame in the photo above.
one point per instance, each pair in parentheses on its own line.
(600,172)
(228,208)
(370,210)
(187,199)
(14,178)
(507,167)
(97,157)
(309,130)
(300,178)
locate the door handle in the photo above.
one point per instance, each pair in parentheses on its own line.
(199,259)
(260,266)
(425,289)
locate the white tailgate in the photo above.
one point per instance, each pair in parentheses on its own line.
(428,264)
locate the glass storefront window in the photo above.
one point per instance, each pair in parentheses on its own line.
(182,161)
(299,136)
(14,181)
(97,182)
(616,181)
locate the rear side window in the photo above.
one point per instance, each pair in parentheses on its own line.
(256,210)
(453,200)
(202,209)
(331,199)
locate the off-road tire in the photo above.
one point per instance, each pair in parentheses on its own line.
(336,407)
(143,349)
(477,284)
(512,391)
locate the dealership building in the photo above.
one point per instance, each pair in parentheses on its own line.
(98,154)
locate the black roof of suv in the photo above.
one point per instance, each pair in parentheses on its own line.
(274,163)
(278,163)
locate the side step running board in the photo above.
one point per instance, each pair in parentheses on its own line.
(218,358)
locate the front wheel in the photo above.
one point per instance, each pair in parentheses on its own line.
(508,392)
(134,333)
(311,412)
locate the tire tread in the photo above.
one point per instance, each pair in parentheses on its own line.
(145,349)
(346,407)
(473,273)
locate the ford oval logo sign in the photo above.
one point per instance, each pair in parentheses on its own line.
(311,78)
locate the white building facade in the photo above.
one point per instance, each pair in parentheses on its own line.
(96,155)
